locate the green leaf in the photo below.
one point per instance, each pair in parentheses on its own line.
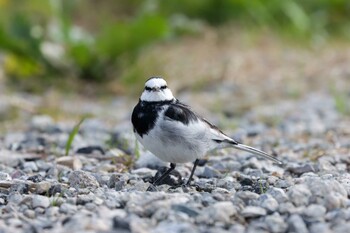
(73,134)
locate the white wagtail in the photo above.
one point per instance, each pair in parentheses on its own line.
(174,133)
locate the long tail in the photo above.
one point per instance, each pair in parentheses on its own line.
(255,151)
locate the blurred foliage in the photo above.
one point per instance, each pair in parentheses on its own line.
(95,40)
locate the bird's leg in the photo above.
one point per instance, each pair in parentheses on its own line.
(162,177)
(192,172)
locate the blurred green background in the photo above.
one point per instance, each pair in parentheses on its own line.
(69,42)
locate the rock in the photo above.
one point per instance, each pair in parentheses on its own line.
(209,173)
(41,187)
(82,179)
(237,228)
(191,212)
(296,224)
(29,213)
(334,200)
(20,187)
(72,162)
(299,195)
(144,172)
(120,224)
(267,202)
(278,194)
(247,196)
(30,166)
(174,227)
(68,208)
(314,213)
(83,199)
(253,212)
(90,150)
(40,201)
(36,178)
(301,169)
(276,223)
(5,176)
(320,227)
(219,212)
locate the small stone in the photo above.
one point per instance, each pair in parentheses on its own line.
(5,176)
(209,173)
(185,209)
(40,188)
(301,169)
(40,201)
(247,196)
(333,201)
(82,179)
(29,213)
(278,194)
(36,178)
(30,166)
(72,162)
(268,202)
(120,224)
(20,187)
(15,198)
(320,227)
(237,228)
(83,199)
(296,224)
(52,211)
(66,208)
(276,223)
(253,212)
(56,188)
(299,195)
(314,213)
(144,172)
(90,150)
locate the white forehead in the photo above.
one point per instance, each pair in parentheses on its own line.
(155,82)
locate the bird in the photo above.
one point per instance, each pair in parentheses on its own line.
(174,133)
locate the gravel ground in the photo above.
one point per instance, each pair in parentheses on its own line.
(101,185)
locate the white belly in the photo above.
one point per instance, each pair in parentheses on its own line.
(175,142)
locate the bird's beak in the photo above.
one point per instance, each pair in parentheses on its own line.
(156,89)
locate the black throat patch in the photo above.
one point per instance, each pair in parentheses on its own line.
(145,115)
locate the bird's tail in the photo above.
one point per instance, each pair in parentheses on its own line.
(255,151)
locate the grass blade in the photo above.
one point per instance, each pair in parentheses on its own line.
(73,134)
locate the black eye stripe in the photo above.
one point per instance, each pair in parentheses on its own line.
(148,88)
(163,87)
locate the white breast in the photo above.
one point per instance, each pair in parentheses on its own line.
(175,142)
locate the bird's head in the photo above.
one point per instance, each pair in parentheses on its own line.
(156,90)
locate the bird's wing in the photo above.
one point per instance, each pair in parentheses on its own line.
(183,114)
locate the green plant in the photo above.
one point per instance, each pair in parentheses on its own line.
(72,135)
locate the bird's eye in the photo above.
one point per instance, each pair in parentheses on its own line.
(163,87)
(148,89)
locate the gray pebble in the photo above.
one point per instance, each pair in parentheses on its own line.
(268,202)
(314,213)
(40,201)
(278,194)
(300,169)
(253,211)
(82,179)
(30,167)
(29,213)
(276,223)
(68,208)
(320,227)
(5,176)
(296,224)
(299,194)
